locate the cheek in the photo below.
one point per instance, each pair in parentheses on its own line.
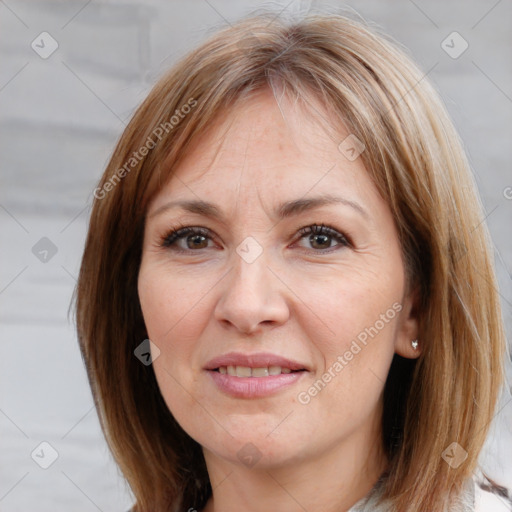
(355,320)
(168,302)
(346,306)
(172,314)
(164,309)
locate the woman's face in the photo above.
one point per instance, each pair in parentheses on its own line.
(319,312)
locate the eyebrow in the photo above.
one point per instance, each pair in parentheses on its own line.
(285,210)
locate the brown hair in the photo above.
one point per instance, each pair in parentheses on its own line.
(417,162)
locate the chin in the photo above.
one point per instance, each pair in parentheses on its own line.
(260,454)
(251,447)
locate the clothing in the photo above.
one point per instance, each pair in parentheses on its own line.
(472,499)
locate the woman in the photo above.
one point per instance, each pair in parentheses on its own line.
(290,218)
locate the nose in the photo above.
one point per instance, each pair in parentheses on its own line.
(253,296)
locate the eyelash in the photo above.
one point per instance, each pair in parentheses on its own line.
(169,239)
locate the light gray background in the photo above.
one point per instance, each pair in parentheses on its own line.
(60,118)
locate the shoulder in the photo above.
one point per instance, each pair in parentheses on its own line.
(491,497)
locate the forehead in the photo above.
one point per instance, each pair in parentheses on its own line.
(275,148)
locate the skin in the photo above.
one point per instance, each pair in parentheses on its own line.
(303,297)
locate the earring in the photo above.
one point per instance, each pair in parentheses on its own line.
(414,344)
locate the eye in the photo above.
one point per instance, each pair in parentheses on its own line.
(189,238)
(321,237)
(193,238)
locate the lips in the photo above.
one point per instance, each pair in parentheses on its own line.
(255,361)
(252,376)
(247,371)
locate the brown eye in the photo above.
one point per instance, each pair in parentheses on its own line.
(321,237)
(196,242)
(321,241)
(194,237)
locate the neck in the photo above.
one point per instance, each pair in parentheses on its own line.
(331,481)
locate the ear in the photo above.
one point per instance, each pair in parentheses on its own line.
(408,324)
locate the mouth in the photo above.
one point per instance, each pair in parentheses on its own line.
(256,375)
(249,376)
(263,364)
(247,371)
(243,385)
